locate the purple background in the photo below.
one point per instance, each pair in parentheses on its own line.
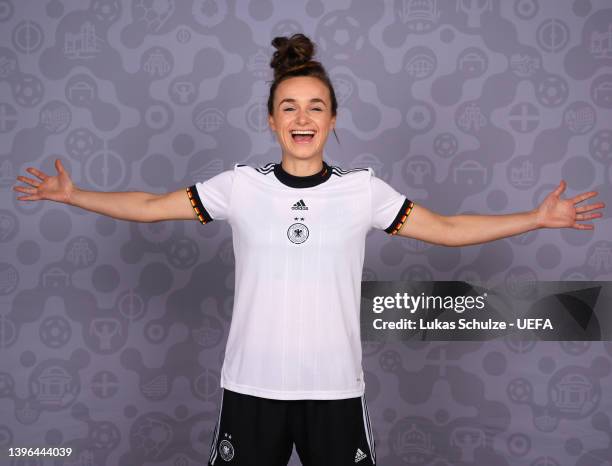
(112,333)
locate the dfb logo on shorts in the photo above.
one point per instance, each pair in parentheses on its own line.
(226,449)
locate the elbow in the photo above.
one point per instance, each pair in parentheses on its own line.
(448,230)
(149,210)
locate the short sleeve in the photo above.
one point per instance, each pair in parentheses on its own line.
(211,198)
(390,209)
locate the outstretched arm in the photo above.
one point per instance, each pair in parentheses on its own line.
(463,230)
(135,206)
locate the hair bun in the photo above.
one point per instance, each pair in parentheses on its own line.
(291,52)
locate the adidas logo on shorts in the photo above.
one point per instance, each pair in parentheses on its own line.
(299,205)
(359,455)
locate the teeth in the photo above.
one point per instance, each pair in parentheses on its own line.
(302,132)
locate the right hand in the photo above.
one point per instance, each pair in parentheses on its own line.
(54,188)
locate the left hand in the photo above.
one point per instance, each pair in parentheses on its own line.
(555,212)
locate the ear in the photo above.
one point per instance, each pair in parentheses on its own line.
(271,123)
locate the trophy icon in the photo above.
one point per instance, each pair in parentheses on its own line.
(105,329)
(467,439)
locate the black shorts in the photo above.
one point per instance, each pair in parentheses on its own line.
(260,431)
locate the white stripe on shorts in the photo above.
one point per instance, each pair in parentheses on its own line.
(213,447)
(368,429)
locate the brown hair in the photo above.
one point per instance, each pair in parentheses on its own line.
(293,57)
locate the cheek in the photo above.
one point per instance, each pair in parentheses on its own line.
(282,124)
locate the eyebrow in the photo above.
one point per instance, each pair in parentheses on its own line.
(316,99)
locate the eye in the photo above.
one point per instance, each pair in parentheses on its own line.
(316,108)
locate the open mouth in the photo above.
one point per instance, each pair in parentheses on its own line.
(303,136)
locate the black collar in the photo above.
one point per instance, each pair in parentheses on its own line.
(302,181)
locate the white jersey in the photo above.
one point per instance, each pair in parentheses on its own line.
(299,248)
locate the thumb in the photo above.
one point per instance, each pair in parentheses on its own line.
(560,188)
(58,166)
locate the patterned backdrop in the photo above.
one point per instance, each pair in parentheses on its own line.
(112,333)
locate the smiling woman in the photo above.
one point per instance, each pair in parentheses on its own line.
(292,370)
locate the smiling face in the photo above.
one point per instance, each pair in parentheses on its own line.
(302,103)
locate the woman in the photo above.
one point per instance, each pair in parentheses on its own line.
(292,369)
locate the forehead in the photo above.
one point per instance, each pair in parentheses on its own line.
(302,88)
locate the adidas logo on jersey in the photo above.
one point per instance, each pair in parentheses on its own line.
(299,205)
(359,455)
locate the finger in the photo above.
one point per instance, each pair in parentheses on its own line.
(588,216)
(33,196)
(584,196)
(590,207)
(59,167)
(583,226)
(23,189)
(36,172)
(560,188)
(29,181)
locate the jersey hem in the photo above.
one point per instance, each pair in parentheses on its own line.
(293,395)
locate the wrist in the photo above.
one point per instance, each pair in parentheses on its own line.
(71,198)
(536,222)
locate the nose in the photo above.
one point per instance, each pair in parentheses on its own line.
(301,117)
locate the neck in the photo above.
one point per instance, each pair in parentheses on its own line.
(298,167)
(310,178)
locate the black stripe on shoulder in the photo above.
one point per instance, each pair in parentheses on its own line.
(201,213)
(267,168)
(401,217)
(341,172)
